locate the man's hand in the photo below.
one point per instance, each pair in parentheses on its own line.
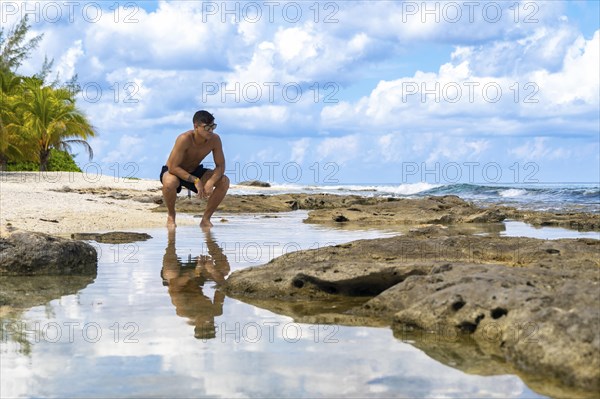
(200,189)
(204,190)
(208,189)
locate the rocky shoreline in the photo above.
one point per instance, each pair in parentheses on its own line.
(387,211)
(531,303)
(479,302)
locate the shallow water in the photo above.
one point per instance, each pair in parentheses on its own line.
(143,329)
(515,228)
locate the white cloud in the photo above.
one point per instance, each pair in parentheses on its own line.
(385,147)
(453,149)
(459,22)
(539,150)
(296,44)
(576,87)
(67,63)
(502,104)
(299,148)
(541,48)
(129,149)
(339,149)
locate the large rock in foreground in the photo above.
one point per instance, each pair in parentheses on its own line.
(533,303)
(543,321)
(27,253)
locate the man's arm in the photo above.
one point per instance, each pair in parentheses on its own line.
(176,159)
(219,159)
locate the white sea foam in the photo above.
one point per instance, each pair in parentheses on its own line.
(411,188)
(341,189)
(512,192)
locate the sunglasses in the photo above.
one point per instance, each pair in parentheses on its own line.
(210,127)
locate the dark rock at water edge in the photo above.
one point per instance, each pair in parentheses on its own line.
(254,183)
(28,253)
(113,237)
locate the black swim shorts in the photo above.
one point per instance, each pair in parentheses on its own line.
(198,172)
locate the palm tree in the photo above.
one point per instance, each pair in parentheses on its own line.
(52,120)
(11,143)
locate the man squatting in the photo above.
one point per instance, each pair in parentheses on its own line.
(183,168)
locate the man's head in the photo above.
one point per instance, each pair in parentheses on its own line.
(204,124)
(203,118)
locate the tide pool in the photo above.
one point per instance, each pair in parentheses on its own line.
(152,324)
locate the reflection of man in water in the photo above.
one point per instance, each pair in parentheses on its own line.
(185,281)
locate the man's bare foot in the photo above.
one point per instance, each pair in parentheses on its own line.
(171,222)
(205,224)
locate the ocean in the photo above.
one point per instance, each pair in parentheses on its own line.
(554,197)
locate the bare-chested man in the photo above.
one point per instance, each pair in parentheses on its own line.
(183,168)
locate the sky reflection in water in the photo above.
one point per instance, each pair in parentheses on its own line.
(141,330)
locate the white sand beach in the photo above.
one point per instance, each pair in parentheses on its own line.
(42,202)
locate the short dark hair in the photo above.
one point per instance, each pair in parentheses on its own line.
(203,117)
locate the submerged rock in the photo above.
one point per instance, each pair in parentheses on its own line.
(28,253)
(113,237)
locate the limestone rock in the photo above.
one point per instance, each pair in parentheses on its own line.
(531,303)
(27,253)
(113,237)
(384,211)
(540,320)
(254,183)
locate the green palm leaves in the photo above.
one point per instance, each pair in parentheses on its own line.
(35,117)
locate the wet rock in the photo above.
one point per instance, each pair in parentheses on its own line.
(340,218)
(542,321)
(268,203)
(149,196)
(462,352)
(579,221)
(113,237)
(254,183)
(532,303)
(385,211)
(150,199)
(27,253)
(446,210)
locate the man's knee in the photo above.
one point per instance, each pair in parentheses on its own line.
(224,182)
(169,181)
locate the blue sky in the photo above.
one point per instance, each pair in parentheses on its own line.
(336,92)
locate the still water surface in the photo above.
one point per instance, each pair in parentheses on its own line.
(143,328)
